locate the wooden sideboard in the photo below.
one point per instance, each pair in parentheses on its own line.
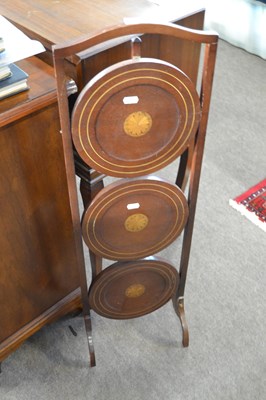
(39,279)
(38,269)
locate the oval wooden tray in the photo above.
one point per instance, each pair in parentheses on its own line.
(132,289)
(134,218)
(135,118)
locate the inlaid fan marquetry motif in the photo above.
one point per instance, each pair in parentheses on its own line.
(138,123)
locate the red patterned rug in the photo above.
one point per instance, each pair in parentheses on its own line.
(252,204)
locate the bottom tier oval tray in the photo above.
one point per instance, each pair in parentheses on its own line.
(131,289)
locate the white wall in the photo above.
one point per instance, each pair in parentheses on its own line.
(240,22)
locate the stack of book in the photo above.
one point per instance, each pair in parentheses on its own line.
(12,78)
(14,46)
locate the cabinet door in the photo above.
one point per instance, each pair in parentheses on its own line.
(38,266)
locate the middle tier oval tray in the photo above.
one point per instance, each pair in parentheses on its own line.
(134,218)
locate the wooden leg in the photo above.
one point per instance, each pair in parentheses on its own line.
(87,320)
(91,181)
(89,190)
(180,311)
(184,168)
(96,264)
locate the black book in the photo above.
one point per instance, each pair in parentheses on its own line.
(16,83)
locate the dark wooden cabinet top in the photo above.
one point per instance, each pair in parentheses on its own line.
(57,21)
